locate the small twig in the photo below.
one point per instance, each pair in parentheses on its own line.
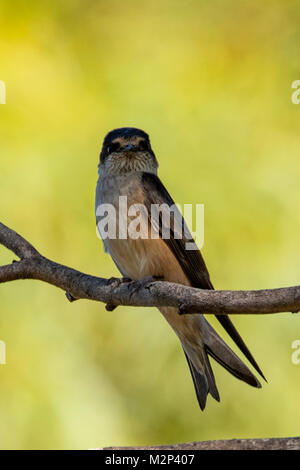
(70,297)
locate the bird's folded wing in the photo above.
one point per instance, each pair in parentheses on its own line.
(173,230)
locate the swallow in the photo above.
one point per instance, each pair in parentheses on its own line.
(128,168)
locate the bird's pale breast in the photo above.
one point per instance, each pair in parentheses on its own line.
(143,257)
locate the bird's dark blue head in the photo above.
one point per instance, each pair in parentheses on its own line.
(127,147)
(124,138)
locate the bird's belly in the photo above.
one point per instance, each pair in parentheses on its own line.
(141,258)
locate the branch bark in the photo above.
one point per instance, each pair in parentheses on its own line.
(113,292)
(281,443)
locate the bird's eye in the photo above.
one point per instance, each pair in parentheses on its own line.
(114,147)
(143,145)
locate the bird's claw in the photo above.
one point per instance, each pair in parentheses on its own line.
(117,282)
(134,286)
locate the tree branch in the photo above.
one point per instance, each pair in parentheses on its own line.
(281,443)
(114,292)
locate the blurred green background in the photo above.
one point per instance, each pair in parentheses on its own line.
(211,83)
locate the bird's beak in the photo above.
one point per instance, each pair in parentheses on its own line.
(129,147)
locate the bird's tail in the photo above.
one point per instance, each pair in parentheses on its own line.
(201,371)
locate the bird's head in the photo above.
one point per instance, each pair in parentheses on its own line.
(127,150)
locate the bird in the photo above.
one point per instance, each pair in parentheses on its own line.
(128,169)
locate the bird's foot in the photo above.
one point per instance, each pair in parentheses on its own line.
(115,282)
(134,286)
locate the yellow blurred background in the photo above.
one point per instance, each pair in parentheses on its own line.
(211,83)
